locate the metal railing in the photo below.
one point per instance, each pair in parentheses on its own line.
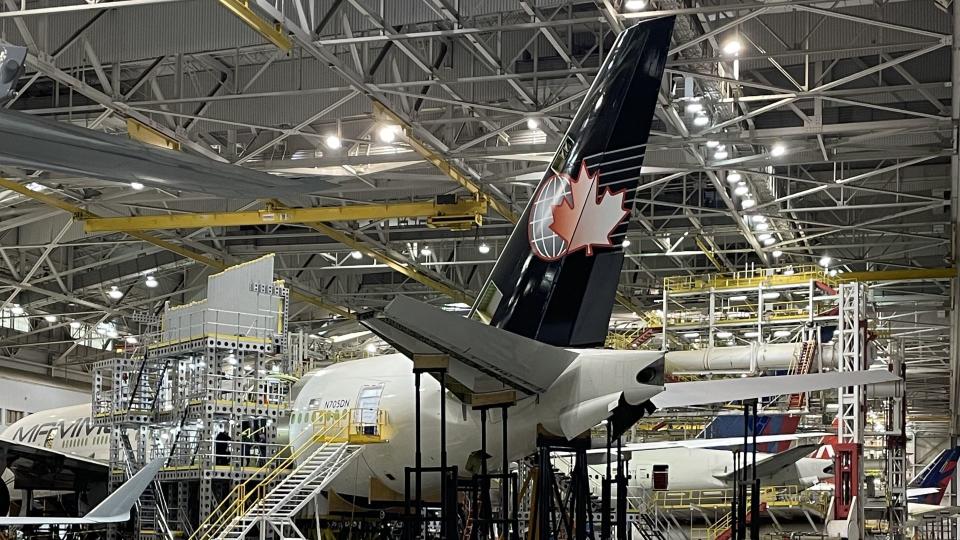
(748,278)
(331,427)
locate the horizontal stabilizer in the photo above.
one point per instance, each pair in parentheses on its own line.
(688,394)
(482,358)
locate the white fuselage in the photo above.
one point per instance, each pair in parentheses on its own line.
(584,394)
(707,468)
(66,429)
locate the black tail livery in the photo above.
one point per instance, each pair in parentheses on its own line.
(556,279)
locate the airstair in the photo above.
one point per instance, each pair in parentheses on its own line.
(289,483)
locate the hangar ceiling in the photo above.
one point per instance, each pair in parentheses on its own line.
(836,116)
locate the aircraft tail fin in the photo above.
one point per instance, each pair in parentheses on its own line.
(117,506)
(556,278)
(936,475)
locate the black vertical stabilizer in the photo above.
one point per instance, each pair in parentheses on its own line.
(556,279)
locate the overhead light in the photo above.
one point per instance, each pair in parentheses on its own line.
(232,359)
(50,318)
(333,142)
(731,47)
(825,261)
(151,282)
(387,134)
(356,254)
(691,335)
(425,251)
(764,236)
(761,226)
(778,150)
(371,348)
(782,333)
(733,177)
(533,123)
(115,293)
(720,154)
(694,107)
(757,218)
(777,254)
(625,243)
(712,144)
(748,203)
(724,334)
(751,334)
(773,295)
(739,298)
(701,119)
(769,241)
(832,272)
(634,5)
(75,324)
(741,189)
(136,185)
(34,186)
(16,310)
(483,248)
(131,340)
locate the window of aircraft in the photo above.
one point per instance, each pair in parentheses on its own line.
(14,416)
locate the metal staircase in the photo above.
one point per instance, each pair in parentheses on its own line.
(289,483)
(801,365)
(152,509)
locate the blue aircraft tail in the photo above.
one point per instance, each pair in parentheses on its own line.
(937,474)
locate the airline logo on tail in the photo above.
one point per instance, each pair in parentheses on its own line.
(568,215)
(936,475)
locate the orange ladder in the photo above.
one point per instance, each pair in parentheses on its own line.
(801,366)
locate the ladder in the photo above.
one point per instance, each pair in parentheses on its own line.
(800,366)
(152,506)
(278,506)
(722,529)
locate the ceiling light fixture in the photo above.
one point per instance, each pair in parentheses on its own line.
(634,5)
(151,282)
(713,144)
(778,150)
(483,249)
(742,189)
(777,254)
(387,134)
(426,251)
(625,243)
(733,177)
(136,185)
(825,261)
(115,293)
(333,142)
(720,154)
(75,324)
(749,203)
(533,123)
(694,106)
(50,318)
(356,255)
(769,241)
(731,47)
(701,119)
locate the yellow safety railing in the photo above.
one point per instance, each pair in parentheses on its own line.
(356,426)
(719,526)
(748,278)
(792,495)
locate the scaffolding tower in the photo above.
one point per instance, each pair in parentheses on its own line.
(203,386)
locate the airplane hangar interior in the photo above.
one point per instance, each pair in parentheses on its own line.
(479,269)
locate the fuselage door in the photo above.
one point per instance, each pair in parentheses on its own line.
(368,409)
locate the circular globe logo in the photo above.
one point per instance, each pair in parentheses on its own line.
(545,243)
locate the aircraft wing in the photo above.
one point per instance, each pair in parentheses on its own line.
(114,509)
(720,442)
(31,142)
(36,467)
(688,394)
(775,463)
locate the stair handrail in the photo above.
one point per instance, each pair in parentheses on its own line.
(234,504)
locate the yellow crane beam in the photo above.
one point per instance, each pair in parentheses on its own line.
(188,253)
(442,163)
(466,209)
(399,266)
(273,32)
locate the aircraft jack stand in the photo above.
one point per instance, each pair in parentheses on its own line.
(746,485)
(416,522)
(481,522)
(550,515)
(609,480)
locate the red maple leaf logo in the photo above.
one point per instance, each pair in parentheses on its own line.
(584,219)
